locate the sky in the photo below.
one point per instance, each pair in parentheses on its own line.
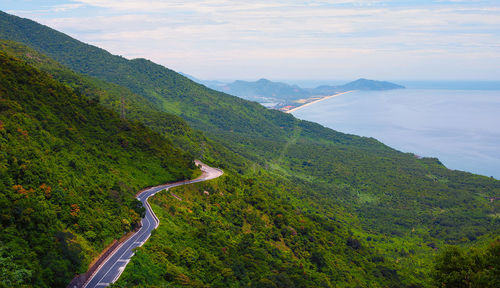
(276,39)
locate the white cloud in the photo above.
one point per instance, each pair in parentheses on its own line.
(66,7)
(211,38)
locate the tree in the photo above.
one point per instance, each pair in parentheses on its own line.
(474,268)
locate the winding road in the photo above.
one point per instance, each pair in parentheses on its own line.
(111,269)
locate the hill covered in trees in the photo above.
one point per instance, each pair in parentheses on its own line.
(71,192)
(372,216)
(69,169)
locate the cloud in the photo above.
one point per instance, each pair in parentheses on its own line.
(348,33)
(65,7)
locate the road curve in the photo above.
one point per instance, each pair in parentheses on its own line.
(111,269)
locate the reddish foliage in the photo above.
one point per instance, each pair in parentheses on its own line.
(75,209)
(46,190)
(20,189)
(23,132)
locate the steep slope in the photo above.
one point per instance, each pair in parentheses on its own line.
(68,172)
(203,108)
(342,169)
(110,95)
(243,232)
(476,267)
(135,107)
(82,215)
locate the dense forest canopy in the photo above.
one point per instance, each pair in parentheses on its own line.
(69,169)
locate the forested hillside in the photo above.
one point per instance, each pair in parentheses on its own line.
(386,212)
(472,267)
(135,107)
(68,172)
(246,232)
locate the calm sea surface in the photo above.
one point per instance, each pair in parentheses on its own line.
(460,127)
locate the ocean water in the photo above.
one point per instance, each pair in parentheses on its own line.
(460,127)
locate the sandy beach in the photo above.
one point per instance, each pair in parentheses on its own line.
(316,101)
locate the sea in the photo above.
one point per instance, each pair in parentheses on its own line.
(456,121)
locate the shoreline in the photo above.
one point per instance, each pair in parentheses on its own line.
(319,100)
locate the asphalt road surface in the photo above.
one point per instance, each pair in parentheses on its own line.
(113,266)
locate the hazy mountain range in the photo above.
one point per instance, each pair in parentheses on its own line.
(264,90)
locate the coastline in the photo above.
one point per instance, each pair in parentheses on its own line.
(316,101)
(463,143)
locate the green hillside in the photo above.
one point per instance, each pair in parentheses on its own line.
(246,232)
(399,208)
(82,229)
(136,108)
(68,172)
(110,95)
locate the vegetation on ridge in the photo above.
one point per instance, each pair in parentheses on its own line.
(69,170)
(136,108)
(244,232)
(476,267)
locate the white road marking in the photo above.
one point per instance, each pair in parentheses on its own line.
(209,173)
(120,271)
(126,250)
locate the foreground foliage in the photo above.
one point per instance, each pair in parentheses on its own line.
(455,267)
(243,232)
(68,172)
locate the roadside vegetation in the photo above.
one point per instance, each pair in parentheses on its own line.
(69,170)
(243,232)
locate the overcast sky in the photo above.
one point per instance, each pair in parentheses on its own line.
(275,39)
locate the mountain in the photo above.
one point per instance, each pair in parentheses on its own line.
(77,240)
(136,107)
(264,90)
(69,170)
(299,204)
(360,84)
(71,192)
(365,84)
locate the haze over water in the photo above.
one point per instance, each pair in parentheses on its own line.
(460,127)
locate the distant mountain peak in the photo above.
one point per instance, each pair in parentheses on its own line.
(265,90)
(366,84)
(263,80)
